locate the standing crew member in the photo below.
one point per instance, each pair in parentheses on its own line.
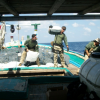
(92,46)
(32,45)
(58,46)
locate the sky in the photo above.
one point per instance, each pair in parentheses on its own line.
(77,30)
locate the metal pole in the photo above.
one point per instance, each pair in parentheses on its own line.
(18,33)
(18,28)
(18,37)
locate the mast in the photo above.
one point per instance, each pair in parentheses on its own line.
(2,33)
(18,28)
(35,28)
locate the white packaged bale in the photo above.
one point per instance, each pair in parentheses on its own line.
(55,28)
(32,56)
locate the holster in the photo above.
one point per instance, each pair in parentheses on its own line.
(52,49)
(58,45)
(57,51)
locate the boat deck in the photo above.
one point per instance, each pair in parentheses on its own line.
(73,69)
(39,71)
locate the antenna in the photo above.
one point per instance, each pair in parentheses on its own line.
(35,28)
(18,28)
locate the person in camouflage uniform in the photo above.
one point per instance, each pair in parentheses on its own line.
(32,45)
(58,46)
(92,46)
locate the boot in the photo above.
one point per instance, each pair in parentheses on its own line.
(61,66)
(37,62)
(64,66)
(27,63)
(20,64)
(55,66)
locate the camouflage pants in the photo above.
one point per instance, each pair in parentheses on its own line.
(58,50)
(23,57)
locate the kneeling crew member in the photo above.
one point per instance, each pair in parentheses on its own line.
(32,45)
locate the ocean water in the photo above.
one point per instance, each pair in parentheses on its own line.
(74,46)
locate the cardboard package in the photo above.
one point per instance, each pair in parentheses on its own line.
(57,93)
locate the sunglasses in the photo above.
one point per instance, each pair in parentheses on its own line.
(63,29)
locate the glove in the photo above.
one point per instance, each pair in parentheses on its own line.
(67,49)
